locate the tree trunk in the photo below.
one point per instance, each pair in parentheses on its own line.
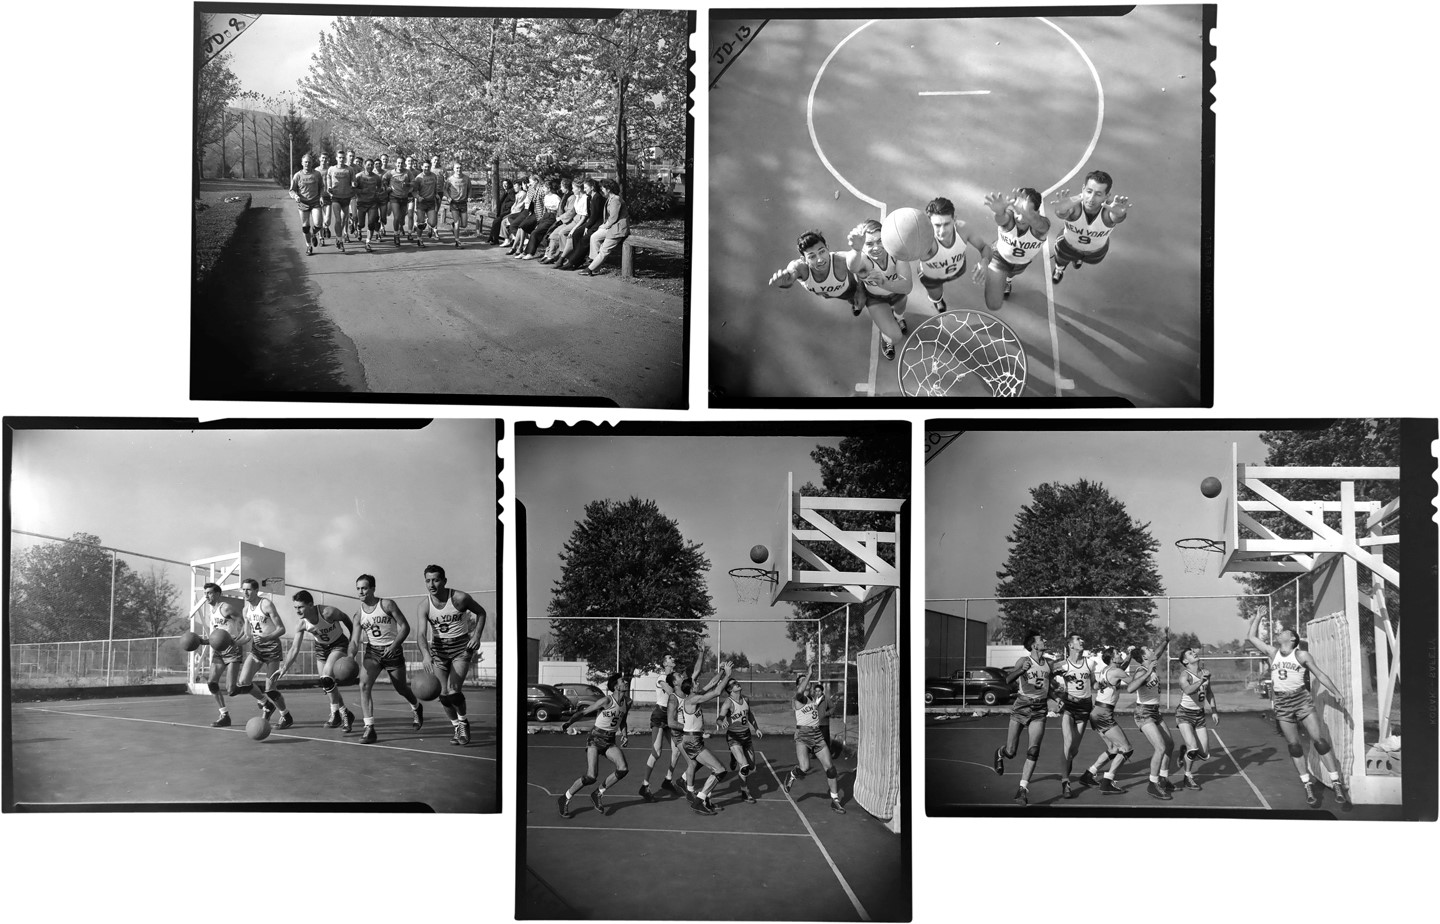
(224,159)
(622,144)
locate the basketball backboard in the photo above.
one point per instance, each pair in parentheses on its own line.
(264,565)
(814,541)
(781,555)
(1230,511)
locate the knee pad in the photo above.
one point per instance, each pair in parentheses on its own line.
(457,700)
(327,684)
(746,770)
(1295,750)
(245,688)
(1031,753)
(831,774)
(1126,753)
(446,700)
(720,777)
(1192,754)
(1322,746)
(586,780)
(213,687)
(620,773)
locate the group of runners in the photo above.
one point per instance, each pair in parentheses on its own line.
(677,716)
(1084,691)
(357,197)
(871,279)
(451,624)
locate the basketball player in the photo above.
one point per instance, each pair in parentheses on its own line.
(451,624)
(808,741)
(885,283)
(340,185)
(382,200)
(457,199)
(1109,676)
(368,206)
(1022,231)
(427,201)
(267,649)
(306,187)
(1144,682)
(739,724)
(324,169)
(330,631)
(608,736)
(398,182)
(1294,706)
(1088,220)
(686,707)
(380,644)
(1195,694)
(946,260)
(1032,673)
(662,722)
(1076,679)
(218,614)
(820,272)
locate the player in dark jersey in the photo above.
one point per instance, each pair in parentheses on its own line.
(1021,236)
(821,272)
(662,724)
(1144,682)
(457,200)
(608,736)
(306,187)
(686,707)
(1032,673)
(808,740)
(330,631)
(1075,679)
(741,730)
(1109,677)
(267,650)
(451,625)
(1087,220)
(379,644)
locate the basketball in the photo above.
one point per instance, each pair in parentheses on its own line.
(220,640)
(258,728)
(345,670)
(1210,487)
(425,685)
(189,641)
(758,553)
(907,235)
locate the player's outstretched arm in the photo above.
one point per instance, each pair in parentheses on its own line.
(294,650)
(786,276)
(1252,635)
(715,688)
(1000,203)
(1139,676)
(1117,208)
(1305,658)
(699,663)
(1064,205)
(587,711)
(855,259)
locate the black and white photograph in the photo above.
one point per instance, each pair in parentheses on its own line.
(932,210)
(457,204)
(1192,620)
(716,649)
(239,616)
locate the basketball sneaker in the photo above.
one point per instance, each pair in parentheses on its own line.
(835,805)
(222,722)
(1022,796)
(1066,790)
(334,720)
(669,784)
(1008,287)
(368,736)
(564,803)
(1156,791)
(645,792)
(597,800)
(789,781)
(999,762)
(417,717)
(1342,795)
(941,307)
(1088,778)
(1108,788)
(348,719)
(1058,273)
(1191,783)
(701,807)
(745,794)
(1311,799)
(887,347)
(286,720)
(463,732)
(904,328)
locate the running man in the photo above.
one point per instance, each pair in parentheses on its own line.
(398,187)
(885,283)
(687,711)
(457,200)
(1144,682)
(451,624)
(267,650)
(608,736)
(427,201)
(1195,693)
(340,186)
(325,199)
(330,631)
(219,614)
(946,261)
(1076,679)
(367,203)
(306,187)
(809,741)
(380,644)
(1088,220)
(1022,231)
(820,272)
(1109,676)
(663,723)
(1294,707)
(741,730)
(1032,674)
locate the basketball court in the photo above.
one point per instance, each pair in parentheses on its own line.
(963,107)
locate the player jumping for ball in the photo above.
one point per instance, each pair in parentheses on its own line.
(1195,695)
(809,741)
(1294,706)
(1032,674)
(1144,682)
(741,730)
(450,642)
(692,722)
(380,644)
(1109,676)
(1022,231)
(330,631)
(1076,679)
(820,272)
(267,650)
(608,737)
(946,260)
(1088,220)
(663,725)
(220,615)
(885,283)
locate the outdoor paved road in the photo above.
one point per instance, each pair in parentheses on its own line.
(441,321)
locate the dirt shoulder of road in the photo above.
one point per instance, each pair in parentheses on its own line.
(216,217)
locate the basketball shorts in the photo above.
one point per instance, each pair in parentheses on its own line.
(659,717)
(1065,252)
(676,734)
(397,208)
(460,212)
(1102,717)
(1293,707)
(601,739)
(394,662)
(1026,711)
(746,742)
(369,214)
(692,743)
(265,652)
(935,284)
(343,204)
(231,655)
(1147,713)
(306,206)
(1001,265)
(1195,718)
(882,298)
(1078,709)
(447,650)
(426,206)
(322,652)
(809,737)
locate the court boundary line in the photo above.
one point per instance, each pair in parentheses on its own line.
(241,729)
(661,830)
(859,908)
(1251,783)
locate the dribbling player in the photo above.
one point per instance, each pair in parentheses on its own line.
(220,615)
(267,650)
(379,644)
(820,272)
(330,631)
(451,625)
(1021,236)
(1032,673)
(608,737)
(1088,219)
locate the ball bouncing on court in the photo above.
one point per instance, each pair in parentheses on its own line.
(258,728)
(425,685)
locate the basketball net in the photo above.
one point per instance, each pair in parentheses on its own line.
(749,582)
(1196,553)
(947,348)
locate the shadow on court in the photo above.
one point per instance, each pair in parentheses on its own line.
(147,750)
(773,860)
(1249,770)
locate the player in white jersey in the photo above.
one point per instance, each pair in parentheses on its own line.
(218,614)
(608,736)
(741,730)
(451,625)
(379,644)
(1021,231)
(1075,679)
(1294,706)
(1032,674)
(1109,673)
(946,261)
(1144,682)
(267,650)
(885,283)
(661,726)
(808,740)
(687,708)
(1086,223)
(1195,695)
(330,631)
(820,272)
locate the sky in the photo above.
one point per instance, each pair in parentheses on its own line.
(976,486)
(338,503)
(274,53)
(725,493)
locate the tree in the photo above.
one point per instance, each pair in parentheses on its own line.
(627,559)
(1079,540)
(1182,641)
(295,139)
(61,591)
(737,658)
(215,87)
(151,605)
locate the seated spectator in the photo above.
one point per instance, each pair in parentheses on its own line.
(614,229)
(579,245)
(502,209)
(545,217)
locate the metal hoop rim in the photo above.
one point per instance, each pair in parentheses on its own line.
(1200,544)
(757,574)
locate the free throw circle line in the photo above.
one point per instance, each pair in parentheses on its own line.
(810,123)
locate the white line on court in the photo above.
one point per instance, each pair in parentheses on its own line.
(241,728)
(660,831)
(952,760)
(859,908)
(954,92)
(1236,763)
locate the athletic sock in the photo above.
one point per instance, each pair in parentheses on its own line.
(1334,776)
(455,722)
(224,711)
(1304,777)
(1024,784)
(1110,775)
(1154,778)
(369,720)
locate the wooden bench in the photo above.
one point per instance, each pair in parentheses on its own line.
(627,253)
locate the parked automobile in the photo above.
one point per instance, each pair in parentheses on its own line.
(543,703)
(581,694)
(986,685)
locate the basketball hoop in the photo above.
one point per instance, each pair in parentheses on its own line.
(944,352)
(749,582)
(1196,553)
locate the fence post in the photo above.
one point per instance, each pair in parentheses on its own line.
(110,635)
(1065,621)
(845,687)
(617,644)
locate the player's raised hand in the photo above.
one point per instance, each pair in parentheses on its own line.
(977,275)
(782,278)
(998,202)
(856,238)
(1062,195)
(1118,204)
